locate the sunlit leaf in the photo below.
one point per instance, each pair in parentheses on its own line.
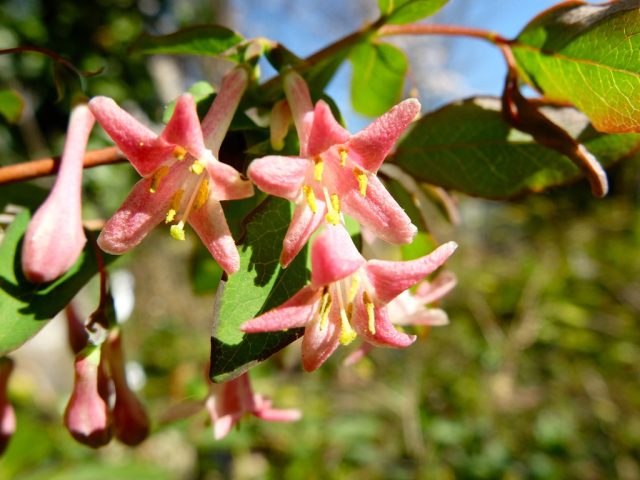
(378,77)
(467,146)
(24,307)
(587,55)
(407,11)
(198,40)
(259,285)
(11,105)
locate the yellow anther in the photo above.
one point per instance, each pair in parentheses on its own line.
(343,157)
(203,194)
(362,181)
(347,333)
(179,152)
(310,197)
(171,215)
(332,217)
(177,199)
(197,167)
(157,177)
(177,231)
(353,289)
(370,312)
(325,307)
(318,169)
(335,203)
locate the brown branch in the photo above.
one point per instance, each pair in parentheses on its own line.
(48,166)
(433,29)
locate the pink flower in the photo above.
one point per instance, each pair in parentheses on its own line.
(348,296)
(7,413)
(183,179)
(229,402)
(335,172)
(55,238)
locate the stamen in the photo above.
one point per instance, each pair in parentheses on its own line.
(179,152)
(197,167)
(343,157)
(157,177)
(318,169)
(370,312)
(333,214)
(310,197)
(177,231)
(362,181)
(325,307)
(203,194)
(171,215)
(335,202)
(347,333)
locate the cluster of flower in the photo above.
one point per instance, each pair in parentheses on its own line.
(184,182)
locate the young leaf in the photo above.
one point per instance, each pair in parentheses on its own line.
(11,105)
(259,285)
(468,146)
(378,77)
(587,55)
(24,307)
(198,40)
(407,11)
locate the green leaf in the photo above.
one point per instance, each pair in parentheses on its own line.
(259,285)
(25,307)
(467,146)
(407,11)
(198,40)
(378,77)
(11,105)
(587,55)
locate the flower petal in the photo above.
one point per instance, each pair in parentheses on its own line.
(279,176)
(325,130)
(303,224)
(333,256)
(227,183)
(320,339)
(264,411)
(141,146)
(429,317)
(429,292)
(358,354)
(183,128)
(377,210)
(211,226)
(369,147)
(295,312)
(140,212)
(384,334)
(391,278)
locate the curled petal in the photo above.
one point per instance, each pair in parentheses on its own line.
(384,334)
(183,128)
(144,149)
(429,292)
(211,226)
(325,130)
(333,256)
(369,147)
(295,312)
(303,224)
(264,411)
(391,278)
(320,339)
(428,317)
(377,210)
(279,176)
(227,183)
(140,212)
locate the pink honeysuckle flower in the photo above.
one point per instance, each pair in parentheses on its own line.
(229,402)
(54,238)
(183,179)
(410,309)
(348,296)
(336,171)
(7,413)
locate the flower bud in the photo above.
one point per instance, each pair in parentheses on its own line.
(54,238)
(87,415)
(130,418)
(7,414)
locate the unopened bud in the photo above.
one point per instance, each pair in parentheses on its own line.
(87,415)
(54,238)
(7,414)
(280,121)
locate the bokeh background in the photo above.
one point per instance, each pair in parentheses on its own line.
(537,376)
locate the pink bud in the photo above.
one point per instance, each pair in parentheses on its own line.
(130,417)
(87,415)
(55,238)
(7,414)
